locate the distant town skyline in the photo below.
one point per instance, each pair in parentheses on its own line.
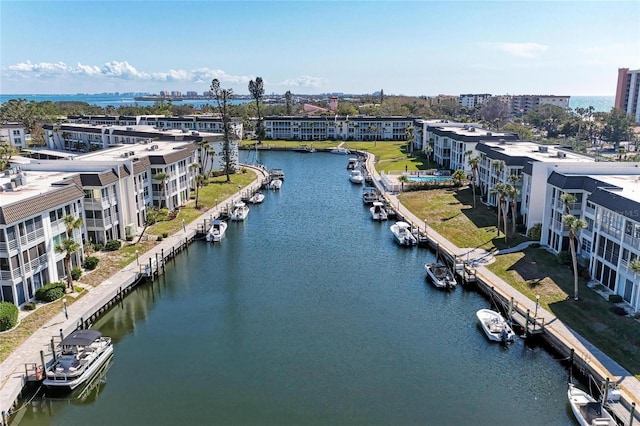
(404,48)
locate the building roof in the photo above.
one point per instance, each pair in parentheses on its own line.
(534,151)
(618,193)
(42,191)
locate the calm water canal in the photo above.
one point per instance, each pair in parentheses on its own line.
(309,313)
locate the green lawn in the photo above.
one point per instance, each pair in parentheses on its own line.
(450,212)
(535,271)
(215,191)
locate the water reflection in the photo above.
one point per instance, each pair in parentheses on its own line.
(309,313)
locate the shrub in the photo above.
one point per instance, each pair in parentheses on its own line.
(165,234)
(91,262)
(8,316)
(51,292)
(112,245)
(98,247)
(76,273)
(129,238)
(29,306)
(618,310)
(535,232)
(615,298)
(159,238)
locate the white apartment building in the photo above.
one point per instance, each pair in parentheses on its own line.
(14,134)
(32,210)
(532,163)
(451,142)
(189,123)
(119,184)
(608,200)
(356,128)
(473,100)
(521,104)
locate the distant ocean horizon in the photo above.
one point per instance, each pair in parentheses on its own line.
(599,103)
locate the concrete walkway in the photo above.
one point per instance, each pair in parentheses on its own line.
(12,370)
(598,360)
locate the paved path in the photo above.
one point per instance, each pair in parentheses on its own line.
(598,360)
(12,370)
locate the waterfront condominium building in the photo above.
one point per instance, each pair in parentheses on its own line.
(451,145)
(349,128)
(628,92)
(606,195)
(33,206)
(608,201)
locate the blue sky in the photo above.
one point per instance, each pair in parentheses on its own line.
(411,48)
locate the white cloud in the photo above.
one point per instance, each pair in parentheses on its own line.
(521,50)
(306,81)
(43,69)
(119,70)
(86,70)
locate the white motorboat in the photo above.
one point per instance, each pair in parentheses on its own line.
(240,211)
(341,151)
(369,195)
(587,410)
(257,198)
(78,358)
(440,275)
(356,176)
(495,326)
(217,230)
(276,174)
(378,212)
(305,149)
(275,184)
(353,163)
(402,233)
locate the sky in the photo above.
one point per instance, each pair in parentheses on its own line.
(309,47)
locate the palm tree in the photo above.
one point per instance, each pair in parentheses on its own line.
(512,193)
(409,135)
(403,179)
(197,181)
(567,200)
(500,189)
(473,162)
(459,176)
(256,89)
(71,222)
(162,177)
(634,265)
(68,246)
(574,225)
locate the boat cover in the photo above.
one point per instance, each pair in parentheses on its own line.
(81,338)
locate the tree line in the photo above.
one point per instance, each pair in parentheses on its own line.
(580,128)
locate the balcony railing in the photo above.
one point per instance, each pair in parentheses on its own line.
(32,236)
